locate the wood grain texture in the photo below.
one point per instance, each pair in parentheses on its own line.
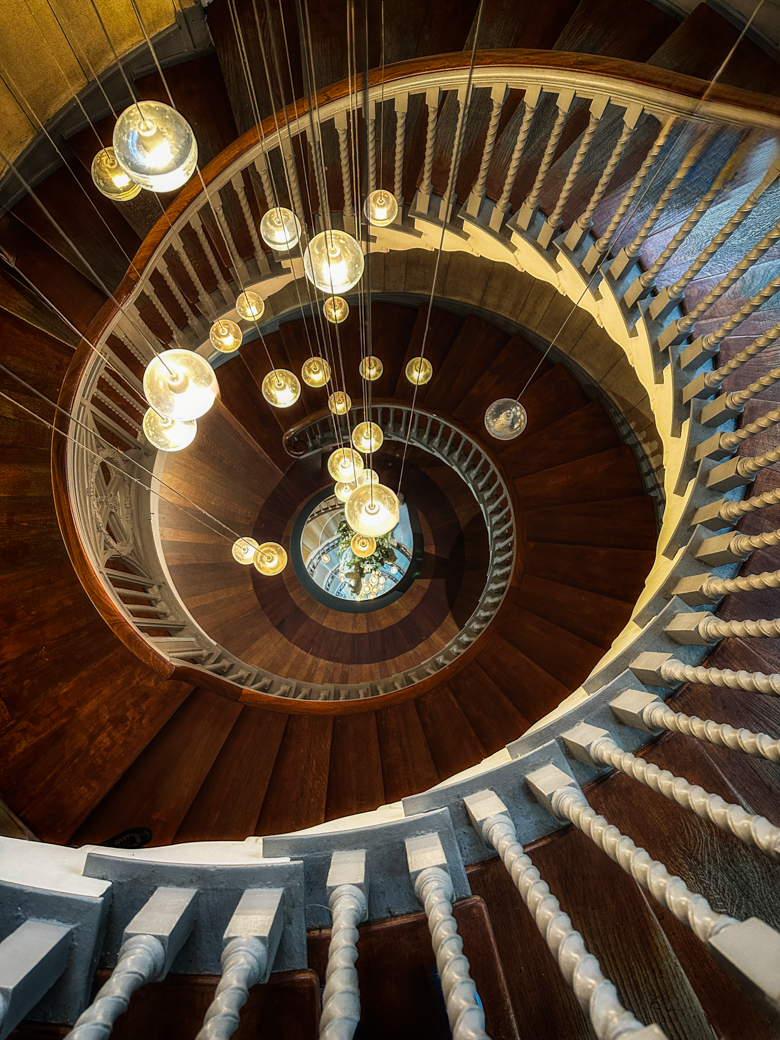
(297,794)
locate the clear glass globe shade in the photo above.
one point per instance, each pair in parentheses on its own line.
(368,476)
(505,419)
(270,558)
(380,208)
(345,464)
(367,437)
(372,510)
(371,368)
(250,305)
(155,145)
(280,228)
(362,545)
(315,371)
(339,403)
(333,261)
(110,179)
(244,550)
(419,370)
(168,434)
(335,309)
(180,384)
(281,388)
(344,489)
(225,336)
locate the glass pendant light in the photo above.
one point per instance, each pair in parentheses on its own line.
(419,370)
(280,228)
(380,208)
(281,388)
(335,309)
(371,368)
(345,464)
(180,384)
(110,179)
(244,550)
(367,437)
(315,371)
(505,419)
(344,489)
(270,558)
(363,545)
(372,510)
(225,335)
(333,261)
(368,476)
(339,403)
(250,305)
(155,145)
(168,434)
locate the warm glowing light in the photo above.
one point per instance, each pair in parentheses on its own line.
(315,371)
(367,437)
(250,305)
(270,558)
(336,309)
(380,208)
(339,403)
(372,510)
(281,388)
(280,228)
(505,419)
(371,368)
(345,464)
(419,370)
(155,145)
(344,489)
(225,335)
(110,179)
(244,550)
(180,384)
(168,434)
(362,545)
(333,261)
(368,476)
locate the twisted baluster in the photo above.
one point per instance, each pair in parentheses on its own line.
(179,296)
(744,544)
(734,510)
(151,295)
(371,134)
(293,182)
(234,256)
(497,103)
(764,422)
(517,154)
(713,339)
(449,194)
(596,995)
(726,678)
(671,891)
(714,587)
(341,997)
(532,201)
(189,267)
(736,400)
(246,211)
(554,220)
(430,143)
(400,137)
(661,716)
(209,254)
(244,960)
(585,219)
(712,629)
(433,888)
(261,165)
(747,465)
(346,177)
(141,959)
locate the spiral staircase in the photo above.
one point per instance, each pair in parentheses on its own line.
(108,727)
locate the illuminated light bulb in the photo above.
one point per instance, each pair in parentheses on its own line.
(244,550)
(110,179)
(280,228)
(168,434)
(333,261)
(155,145)
(371,368)
(419,370)
(367,437)
(362,545)
(270,558)
(344,489)
(345,464)
(335,309)
(180,384)
(315,371)
(372,510)
(225,335)
(325,558)
(380,208)
(250,305)
(339,403)
(281,388)
(368,476)
(505,419)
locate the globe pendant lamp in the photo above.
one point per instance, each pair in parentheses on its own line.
(155,145)
(250,305)
(225,336)
(371,368)
(344,464)
(419,370)
(333,261)
(362,546)
(368,476)
(339,403)
(270,558)
(180,384)
(244,550)
(335,309)
(281,388)
(110,179)
(380,208)
(344,489)
(280,228)
(505,419)
(367,437)
(315,371)
(168,434)
(372,510)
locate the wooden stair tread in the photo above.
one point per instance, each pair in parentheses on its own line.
(355,778)
(443,331)
(626,523)
(632,31)
(407,765)
(607,475)
(476,345)
(531,689)
(581,611)
(586,431)
(491,714)
(297,792)
(564,655)
(453,744)
(619,573)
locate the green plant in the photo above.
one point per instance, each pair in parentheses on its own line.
(351,564)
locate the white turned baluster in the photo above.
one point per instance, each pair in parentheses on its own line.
(189,267)
(401,106)
(741,471)
(237,180)
(213,263)
(707,382)
(498,96)
(234,256)
(712,588)
(292,178)
(529,207)
(261,165)
(735,510)
(704,346)
(445,207)
(346,171)
(704,629)
(531,103)
(664,670)
(347,888)
(763,422)
(193,316)
(155,301)
(422,201)
(371,144)
(728,405)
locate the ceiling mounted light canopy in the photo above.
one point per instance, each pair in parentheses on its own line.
(367,437)
(333,261)
(281,388)
(270,558)
(180,384)
(345,464)
(505,419)
(371,368)
(380,208)
(225,335)
(363,546)
(336,309)
(250,305)
(419,370)
(344,489)
(372,510)
(339,403)
(315,371)
(154,144)
(244,550)
(110,179)
(168,434)
(280,228)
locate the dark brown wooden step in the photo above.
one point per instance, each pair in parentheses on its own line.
(474,350)
(528,685)
(512,368)
(297,792)
(590,615)
(618,573)
(561,653)
(407,765)
(631,30)
(443,329)
(608,475)
(355,778)
(450,736)
(242,397)
(586,431)
(627,523)
(491,714)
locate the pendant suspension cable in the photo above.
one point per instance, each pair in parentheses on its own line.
(367,226)
(130,91)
